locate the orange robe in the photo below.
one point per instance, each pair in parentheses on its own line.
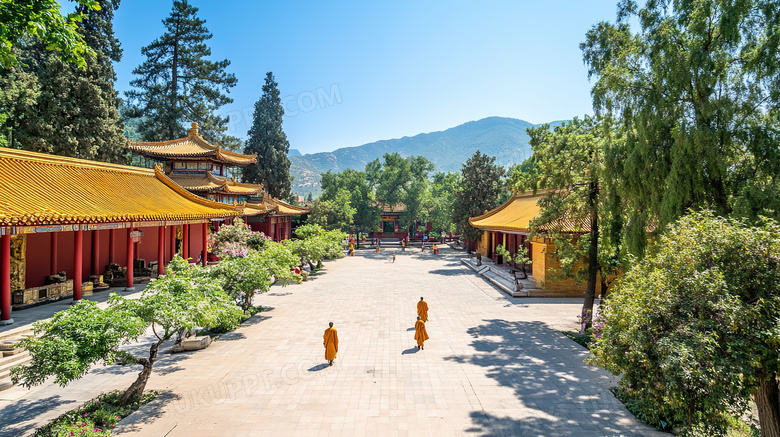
(419,333)
(422,310)
(331,342)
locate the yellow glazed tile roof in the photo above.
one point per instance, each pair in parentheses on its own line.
(517,213)
(206,182)
(190,147)
(39,189)
(286,208)
(514,215)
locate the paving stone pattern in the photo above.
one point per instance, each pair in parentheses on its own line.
(494,365)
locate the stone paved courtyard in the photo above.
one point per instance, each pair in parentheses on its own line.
(494,366)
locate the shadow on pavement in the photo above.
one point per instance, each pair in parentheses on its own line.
(146,414)
(446,272)
(556,394)
(412,350)
(13,416)
(318,367)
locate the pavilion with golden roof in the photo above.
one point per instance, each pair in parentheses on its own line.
(202,168)
(78,216)
(510,225)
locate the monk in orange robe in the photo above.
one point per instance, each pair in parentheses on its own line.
(422,310)
(331,343)
(419,333)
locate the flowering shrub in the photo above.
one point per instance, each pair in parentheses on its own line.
(232,250)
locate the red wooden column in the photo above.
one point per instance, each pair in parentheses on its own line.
(5,280)
(216,226)
(78,254)
(160,250)
(173,241)
(185,241)
(205,242)
(111,246)
(130,257)
(96,252)
(53,257)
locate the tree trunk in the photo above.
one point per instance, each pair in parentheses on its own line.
(593,267)
(767,399)
(137,388)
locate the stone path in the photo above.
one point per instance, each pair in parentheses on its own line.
(494,365)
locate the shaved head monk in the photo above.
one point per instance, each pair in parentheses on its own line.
(331,343)
(419,333)
(422,310)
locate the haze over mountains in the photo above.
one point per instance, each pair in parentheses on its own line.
(504,138)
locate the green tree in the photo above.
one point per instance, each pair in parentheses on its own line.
(692,329)
(481,186)
(401,181)
(336,213)
(568,162)
(43,20)
(178,84)
(442,201)
(696,90)
(74,112)
(243,277)
(268,141)
(73,340)
(361,197)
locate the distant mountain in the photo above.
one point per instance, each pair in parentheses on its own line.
(504,138)
(294,152)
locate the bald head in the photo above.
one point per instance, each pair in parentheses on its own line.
(418,317)
(330,324)
(421,298)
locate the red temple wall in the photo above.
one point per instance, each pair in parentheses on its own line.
(38,259)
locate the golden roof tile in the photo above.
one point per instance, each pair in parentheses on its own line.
(517,213)
(190,147)
(208,183)
(40,189)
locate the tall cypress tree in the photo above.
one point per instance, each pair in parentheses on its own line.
(480,190)
(177,84)
(75,112)
(268,141)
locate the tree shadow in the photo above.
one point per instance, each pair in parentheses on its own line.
(231,336)
(556,392)
(446,272)
(254,320)
(16,415)
(286,293)
(146,414)
(412,350)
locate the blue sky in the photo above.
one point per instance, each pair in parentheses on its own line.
(355,72)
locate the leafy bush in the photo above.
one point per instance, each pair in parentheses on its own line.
(693,329)
(95,418)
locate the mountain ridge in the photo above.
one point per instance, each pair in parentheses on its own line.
(502,137)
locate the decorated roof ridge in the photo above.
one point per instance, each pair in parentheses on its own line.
(246,184)
(294,209)
(45,190)
(193,137)
(47,159)
(160,174)
(512,198)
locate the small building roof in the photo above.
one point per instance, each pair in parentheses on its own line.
(191,147)
(205,182)
(517,213)
(273,206)
(40,189)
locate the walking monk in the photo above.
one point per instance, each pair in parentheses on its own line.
(419,333)
(331,343)
(422,310)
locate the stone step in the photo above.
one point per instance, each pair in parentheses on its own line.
(5,385)
(7,363)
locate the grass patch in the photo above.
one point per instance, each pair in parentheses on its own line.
(583,340)
(95,418)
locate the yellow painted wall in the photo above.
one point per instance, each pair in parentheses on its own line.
(543,261)
(483,243)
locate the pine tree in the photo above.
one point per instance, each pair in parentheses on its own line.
(177,84)
(481,186)
(268,141)
(74,111)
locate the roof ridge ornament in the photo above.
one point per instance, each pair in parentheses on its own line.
(194,130)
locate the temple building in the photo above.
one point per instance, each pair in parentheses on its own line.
(77,216)
(203,169)
(510,225)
